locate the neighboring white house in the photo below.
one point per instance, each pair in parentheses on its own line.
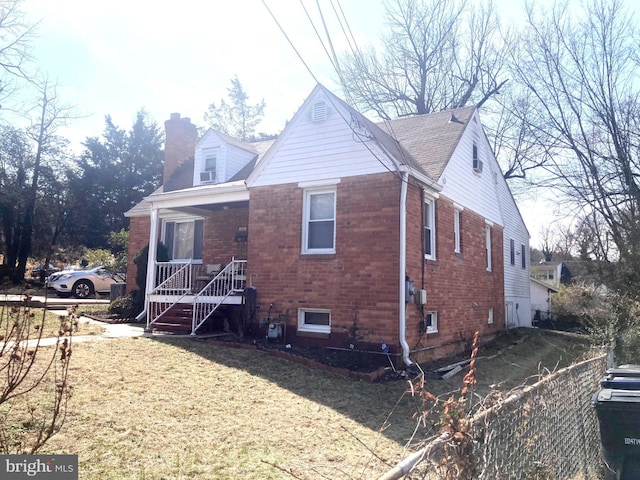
(541,293)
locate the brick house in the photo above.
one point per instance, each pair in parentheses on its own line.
(399,237)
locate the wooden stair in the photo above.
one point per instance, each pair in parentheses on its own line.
(177,320)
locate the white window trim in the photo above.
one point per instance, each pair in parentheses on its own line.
(303,327)
(432,227)
(487,240)
(456,230)
(305,220)
(490,317)
(433,328)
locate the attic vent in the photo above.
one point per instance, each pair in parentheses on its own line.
(319,112)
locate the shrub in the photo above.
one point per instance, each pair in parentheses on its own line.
(611,319)
(123,307)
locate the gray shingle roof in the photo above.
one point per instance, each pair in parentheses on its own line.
(432,138)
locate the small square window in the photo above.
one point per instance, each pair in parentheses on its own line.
(314,320)
(431,322)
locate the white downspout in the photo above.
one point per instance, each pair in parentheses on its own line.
(151,262)
(402,307)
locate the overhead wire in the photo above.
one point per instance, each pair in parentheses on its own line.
(290,42)
(313,25)
(357,136)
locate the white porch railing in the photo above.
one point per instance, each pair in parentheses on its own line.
(230,280)
(176,284)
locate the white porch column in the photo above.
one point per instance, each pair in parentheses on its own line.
(151,261)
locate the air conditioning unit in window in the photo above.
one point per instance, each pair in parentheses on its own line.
(206,177)
(477,165)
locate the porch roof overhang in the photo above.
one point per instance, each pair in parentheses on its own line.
(200,196)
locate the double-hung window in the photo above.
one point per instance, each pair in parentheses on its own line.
(523,254)
(512,251)
(487,240)
(319,221)
(457,244)
(184,239)
(429,229)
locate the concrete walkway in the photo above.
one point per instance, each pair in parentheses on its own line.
(58,306)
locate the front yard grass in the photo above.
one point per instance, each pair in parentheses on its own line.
(171,408)
(176,408)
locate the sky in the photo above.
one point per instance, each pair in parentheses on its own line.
(118,56)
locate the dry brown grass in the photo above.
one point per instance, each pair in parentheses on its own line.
(178,408)
(52,324)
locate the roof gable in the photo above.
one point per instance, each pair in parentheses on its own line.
(333,139)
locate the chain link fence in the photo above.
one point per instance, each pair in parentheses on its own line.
(546,431)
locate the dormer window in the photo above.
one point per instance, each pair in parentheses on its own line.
(210,173)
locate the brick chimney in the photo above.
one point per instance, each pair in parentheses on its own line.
(179,145)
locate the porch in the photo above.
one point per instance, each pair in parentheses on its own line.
(186,295)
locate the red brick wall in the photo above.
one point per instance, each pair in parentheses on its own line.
(139,230)
(458,285)
(358,282)
(361,280)
(220,230)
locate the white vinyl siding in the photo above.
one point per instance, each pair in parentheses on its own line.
(224,160)
(309,151)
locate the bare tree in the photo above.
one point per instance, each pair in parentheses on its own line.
(439,55)
(51,115)
(34,389)
(578,64)
(15,42)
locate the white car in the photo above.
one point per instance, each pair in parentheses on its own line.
(83,283)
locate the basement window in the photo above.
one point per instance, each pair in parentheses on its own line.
(314,320)
(431,322)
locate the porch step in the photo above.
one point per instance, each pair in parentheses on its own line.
(176,320)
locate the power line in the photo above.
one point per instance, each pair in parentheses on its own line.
(337,109)
(317,34)
(289,40)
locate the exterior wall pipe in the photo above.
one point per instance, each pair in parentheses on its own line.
(402,307)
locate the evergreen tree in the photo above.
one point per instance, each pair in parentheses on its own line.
(114,173)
